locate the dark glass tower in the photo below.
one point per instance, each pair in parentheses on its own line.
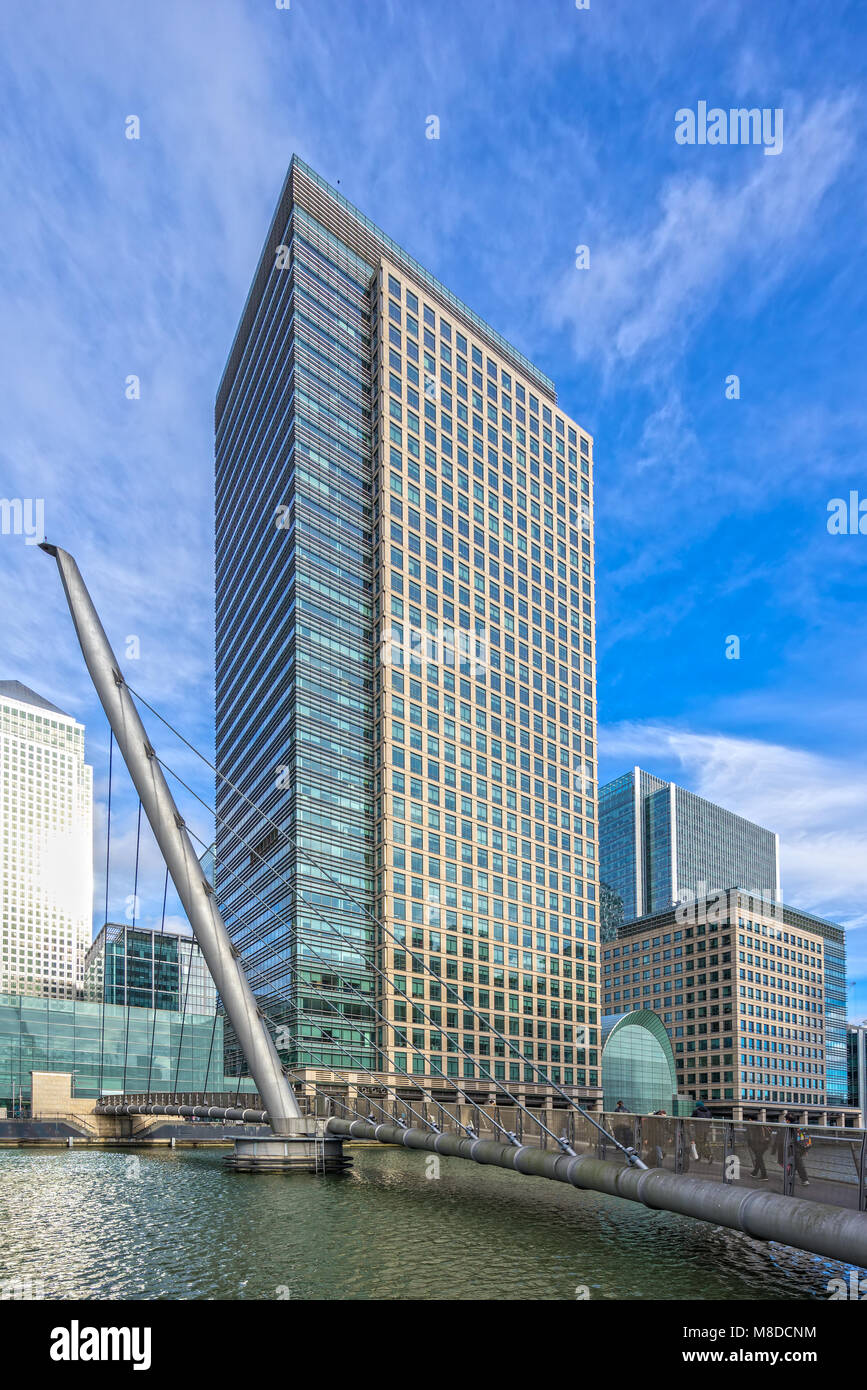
(294,642)
(660,844)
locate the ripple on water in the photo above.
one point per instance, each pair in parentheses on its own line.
(178,1225)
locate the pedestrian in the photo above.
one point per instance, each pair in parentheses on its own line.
(758,1139)
(622,1132)
(703,1133)
(801,1142)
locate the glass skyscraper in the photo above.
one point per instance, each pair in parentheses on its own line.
(660,844)
(148,969)
(856,1054)
(405,663)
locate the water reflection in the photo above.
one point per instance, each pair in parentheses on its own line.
(175,1224)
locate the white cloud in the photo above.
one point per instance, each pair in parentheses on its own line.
(646,290)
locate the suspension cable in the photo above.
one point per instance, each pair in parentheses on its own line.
(105,928)
(384,1085)
(213,1036)
(126,945)
(183,1020)
(413,1004)
(452,993)
(363,907)
(155,979)
(293,933)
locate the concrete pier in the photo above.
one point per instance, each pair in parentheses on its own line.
(299,1153)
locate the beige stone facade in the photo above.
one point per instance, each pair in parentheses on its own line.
(485,710)
(740,985)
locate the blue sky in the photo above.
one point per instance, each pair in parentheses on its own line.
(556,129)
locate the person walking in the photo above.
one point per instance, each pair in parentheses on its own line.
(758,1139)
(623,1132)
(703,1133)
(800,1144)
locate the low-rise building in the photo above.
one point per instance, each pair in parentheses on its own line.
(106,1047)
(752,995)
(638,1064)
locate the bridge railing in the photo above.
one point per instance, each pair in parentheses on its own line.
(817,1163)
(823,1164)
(249,1099)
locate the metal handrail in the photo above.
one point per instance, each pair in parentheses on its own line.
(56,1118)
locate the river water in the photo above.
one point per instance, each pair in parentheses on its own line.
(177,1225)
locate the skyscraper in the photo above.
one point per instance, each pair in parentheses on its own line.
(856,1066)
(405,666)
(46,860)
(148,968)
(659,844)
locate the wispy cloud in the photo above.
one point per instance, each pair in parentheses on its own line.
(128,257)
(648,288)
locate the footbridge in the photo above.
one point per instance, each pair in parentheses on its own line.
(694,1168)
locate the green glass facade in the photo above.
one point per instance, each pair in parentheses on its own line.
(856,1066)
(638,1063)
(294,643)
(134,975)
(92,1040)
(148,969)
(660,844)
(623,869)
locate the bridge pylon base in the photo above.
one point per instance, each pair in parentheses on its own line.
(289,1153)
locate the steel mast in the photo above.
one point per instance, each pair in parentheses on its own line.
(170,833)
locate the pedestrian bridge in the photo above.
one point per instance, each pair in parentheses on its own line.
(812,1197)
(716,1150)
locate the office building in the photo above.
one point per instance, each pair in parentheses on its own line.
(856,1059)
(405,671)
(106,1048)
(149,969)
(46,855)
(660,844)
(752,995)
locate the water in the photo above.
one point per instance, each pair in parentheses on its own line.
(176,1225)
